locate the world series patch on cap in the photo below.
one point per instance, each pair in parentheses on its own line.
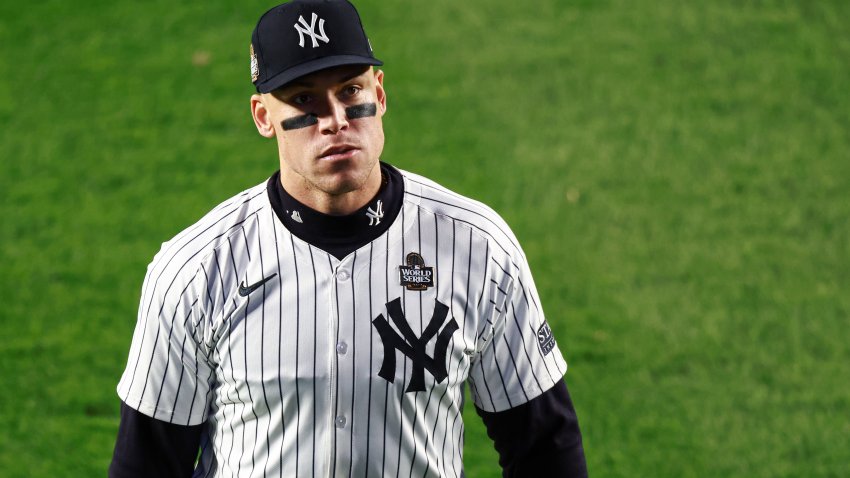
(304,36)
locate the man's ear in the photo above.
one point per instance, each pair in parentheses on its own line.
(262,118)
(379,89)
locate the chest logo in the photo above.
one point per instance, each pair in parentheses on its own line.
(414,275)
(245,290)
(413,347)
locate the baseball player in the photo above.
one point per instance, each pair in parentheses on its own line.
(325,322)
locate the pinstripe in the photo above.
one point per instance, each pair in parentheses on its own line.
(297,353)
(230,423)
(524,348)
(387,391)
(402,397)
(455,450)
(429,437)
(212,438)
(446,391)
(369,399)
(315,346)
(545,365)
(353,360)
(167,355)
(421,327)
(495,356)
(263,354)
(245,350)
(182,371)
(485,276)
(501,375)
(465,315)
(516,370)
(468,278)
(194,390)
(232,373)
(404,372)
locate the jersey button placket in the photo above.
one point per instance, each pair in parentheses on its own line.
(342,290)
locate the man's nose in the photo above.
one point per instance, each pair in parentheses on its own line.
(335,119)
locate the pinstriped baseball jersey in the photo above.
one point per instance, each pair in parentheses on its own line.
(302,364)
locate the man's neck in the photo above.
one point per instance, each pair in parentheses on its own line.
(332,204)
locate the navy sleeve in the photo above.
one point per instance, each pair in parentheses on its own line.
(148,447)
(539,438)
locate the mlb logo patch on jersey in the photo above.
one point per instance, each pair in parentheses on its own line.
(414,275)
(545,339)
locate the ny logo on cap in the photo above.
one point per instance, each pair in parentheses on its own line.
(304,29)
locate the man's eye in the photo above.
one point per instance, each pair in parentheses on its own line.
(301,99)
(351,90)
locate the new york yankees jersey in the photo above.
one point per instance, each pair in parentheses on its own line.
(299,363)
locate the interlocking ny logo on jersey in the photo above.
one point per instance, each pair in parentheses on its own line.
(413,347)
(310,30)
(375,215)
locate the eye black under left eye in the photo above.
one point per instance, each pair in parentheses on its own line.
(361,111)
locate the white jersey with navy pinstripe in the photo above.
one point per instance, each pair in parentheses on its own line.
(329,368)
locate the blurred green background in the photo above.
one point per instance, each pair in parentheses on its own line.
(678,173)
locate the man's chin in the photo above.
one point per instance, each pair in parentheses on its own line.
(341,183)
(344,181)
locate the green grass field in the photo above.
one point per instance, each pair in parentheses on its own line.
(678,173)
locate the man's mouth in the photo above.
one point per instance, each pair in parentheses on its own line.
(342,151)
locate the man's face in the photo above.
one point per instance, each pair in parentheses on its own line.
(328,128)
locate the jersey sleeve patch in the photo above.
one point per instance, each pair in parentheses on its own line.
(545,339)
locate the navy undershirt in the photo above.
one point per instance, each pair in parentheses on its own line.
(340,235)
(538,438)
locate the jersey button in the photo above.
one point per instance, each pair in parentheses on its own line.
(341,348)
(342,275)
(340,421)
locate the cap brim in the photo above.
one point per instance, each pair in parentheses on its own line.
(313,66)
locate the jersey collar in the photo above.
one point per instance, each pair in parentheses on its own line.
(340,235)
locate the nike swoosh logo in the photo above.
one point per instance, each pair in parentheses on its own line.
(244,291)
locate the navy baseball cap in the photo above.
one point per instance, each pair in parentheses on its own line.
(304,36)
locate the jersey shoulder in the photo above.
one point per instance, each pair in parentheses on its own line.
(469,212)
(184,253)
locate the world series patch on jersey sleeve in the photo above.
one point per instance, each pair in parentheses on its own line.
(301,364)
